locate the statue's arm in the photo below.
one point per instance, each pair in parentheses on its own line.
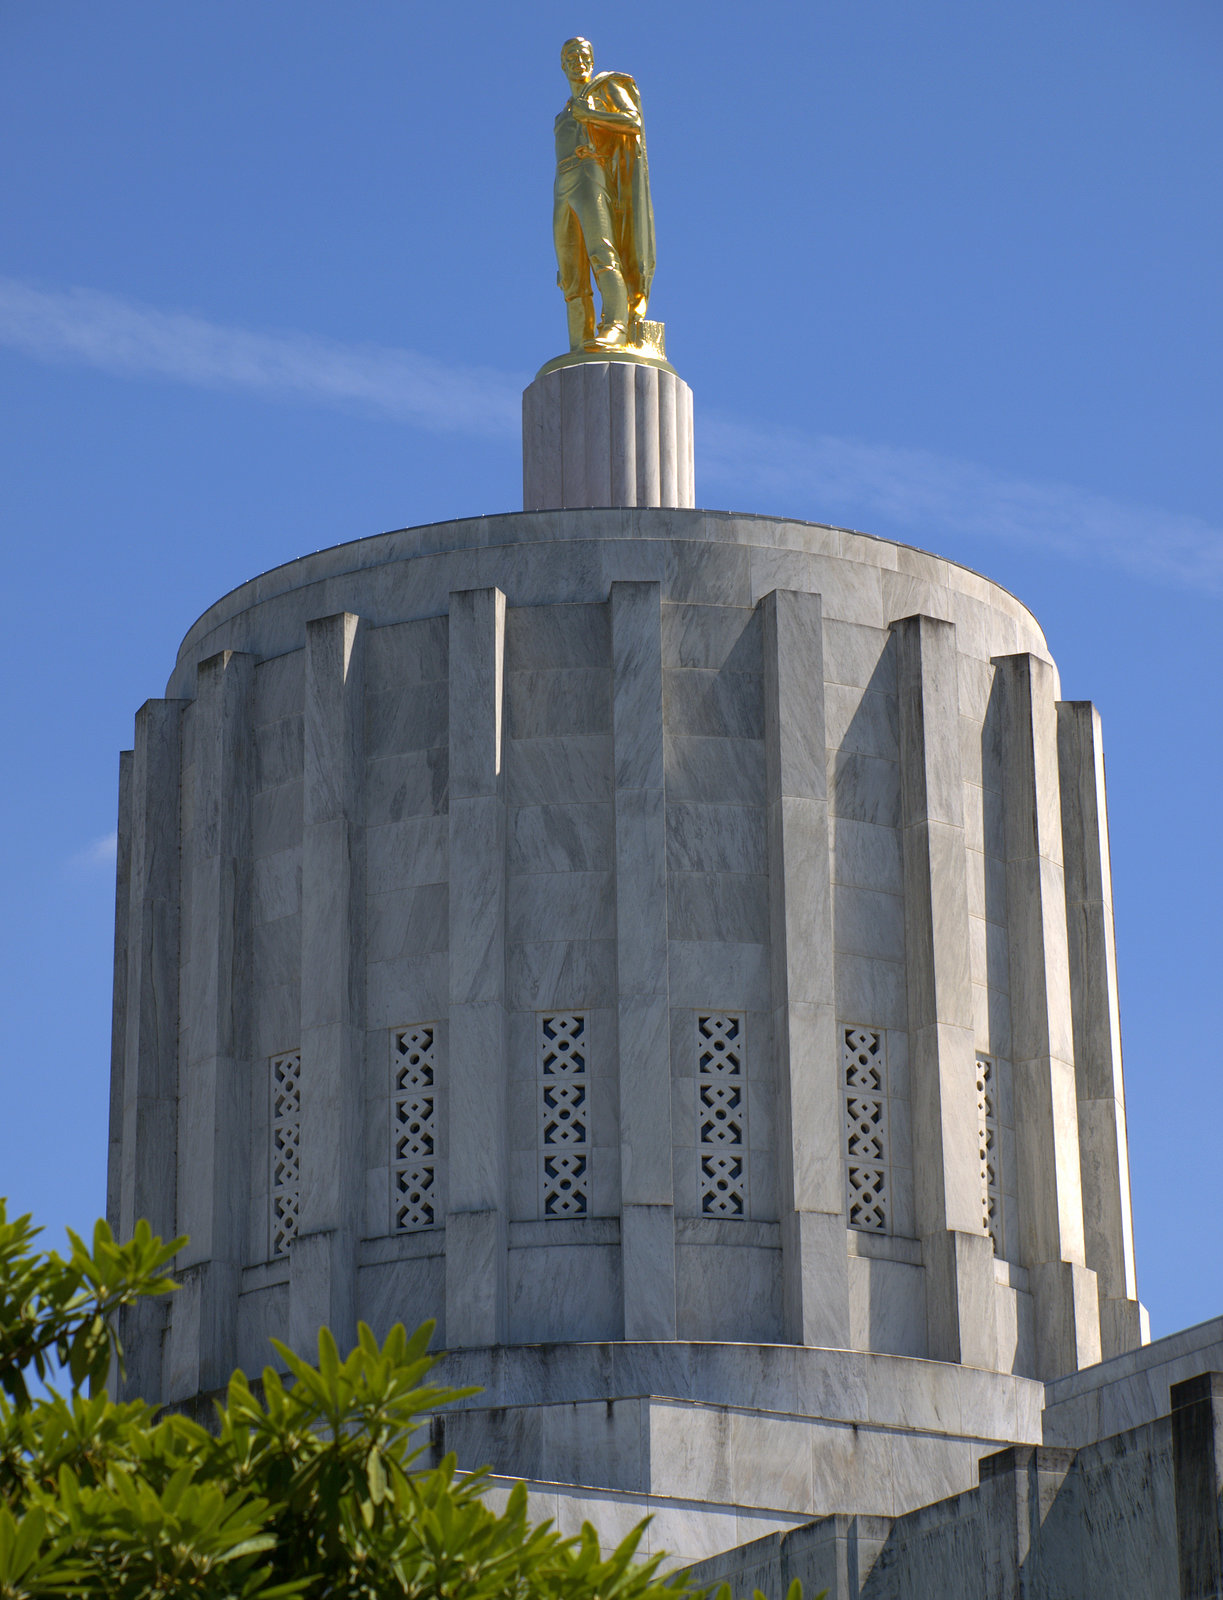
(626,115)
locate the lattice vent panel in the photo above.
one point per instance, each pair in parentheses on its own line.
(284,1188)
(864,1077)
(721,1087)
(991,1151)
(564,1115)
(414,1130)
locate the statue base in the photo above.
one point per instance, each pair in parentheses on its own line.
(607,428)
(646,347)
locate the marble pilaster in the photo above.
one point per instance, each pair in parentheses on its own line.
(118,1016)
(478,1068)
(949,1192)
(1103,1147)
(214,1088)
(322,1260)
(147,1186)
(647,1198)
(1051,1235)
(809,1162)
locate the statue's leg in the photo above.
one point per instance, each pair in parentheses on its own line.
(613,324)
(593,209)
(573,274)
(581,315)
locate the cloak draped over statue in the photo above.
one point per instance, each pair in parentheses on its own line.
(628,180)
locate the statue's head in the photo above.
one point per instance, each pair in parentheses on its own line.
(577,59)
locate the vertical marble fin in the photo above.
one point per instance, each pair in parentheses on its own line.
(949,1192)
(214,1090)
(1103,1145)
(322,1259)
(148,1176)
(477,1203)
(647,1211)
(118,1021)
(1051,1235)
(814,1258)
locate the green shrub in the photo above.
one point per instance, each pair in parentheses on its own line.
(311,1488)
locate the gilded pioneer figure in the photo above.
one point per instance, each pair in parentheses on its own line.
(603,221)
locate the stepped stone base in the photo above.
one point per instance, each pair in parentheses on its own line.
(776,1429)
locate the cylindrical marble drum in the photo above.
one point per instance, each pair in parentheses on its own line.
(607,433)
(621,925)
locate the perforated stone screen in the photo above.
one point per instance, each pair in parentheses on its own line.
(721,1114)
(564,1115)
(413,1128)
(284,1085)
(865,1081)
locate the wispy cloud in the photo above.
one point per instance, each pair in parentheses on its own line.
(126,337)
(98,853)
(937,499)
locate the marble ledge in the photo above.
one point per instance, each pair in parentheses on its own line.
(743,1233)
(264,1275)
(1010,1275)
(564,1231)
(883,1247)
(843,1387)
(678,1527)
(373,1252)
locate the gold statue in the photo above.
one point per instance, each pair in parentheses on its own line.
(602,220)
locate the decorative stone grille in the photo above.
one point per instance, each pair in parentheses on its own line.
(721,1089)
(413,1128)
(865,1081)
(990,1147)
(284,1083)
(564,1115)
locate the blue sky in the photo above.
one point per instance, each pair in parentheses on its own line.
(273,276)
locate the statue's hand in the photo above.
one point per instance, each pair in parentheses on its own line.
(580,109)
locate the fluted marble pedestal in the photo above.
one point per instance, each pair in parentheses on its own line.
(607,433)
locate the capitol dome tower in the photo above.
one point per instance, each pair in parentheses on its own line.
(672,949)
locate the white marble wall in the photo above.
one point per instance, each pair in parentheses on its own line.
(721,1454)
(639,766)
(1136,1510)
(1128,1390)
